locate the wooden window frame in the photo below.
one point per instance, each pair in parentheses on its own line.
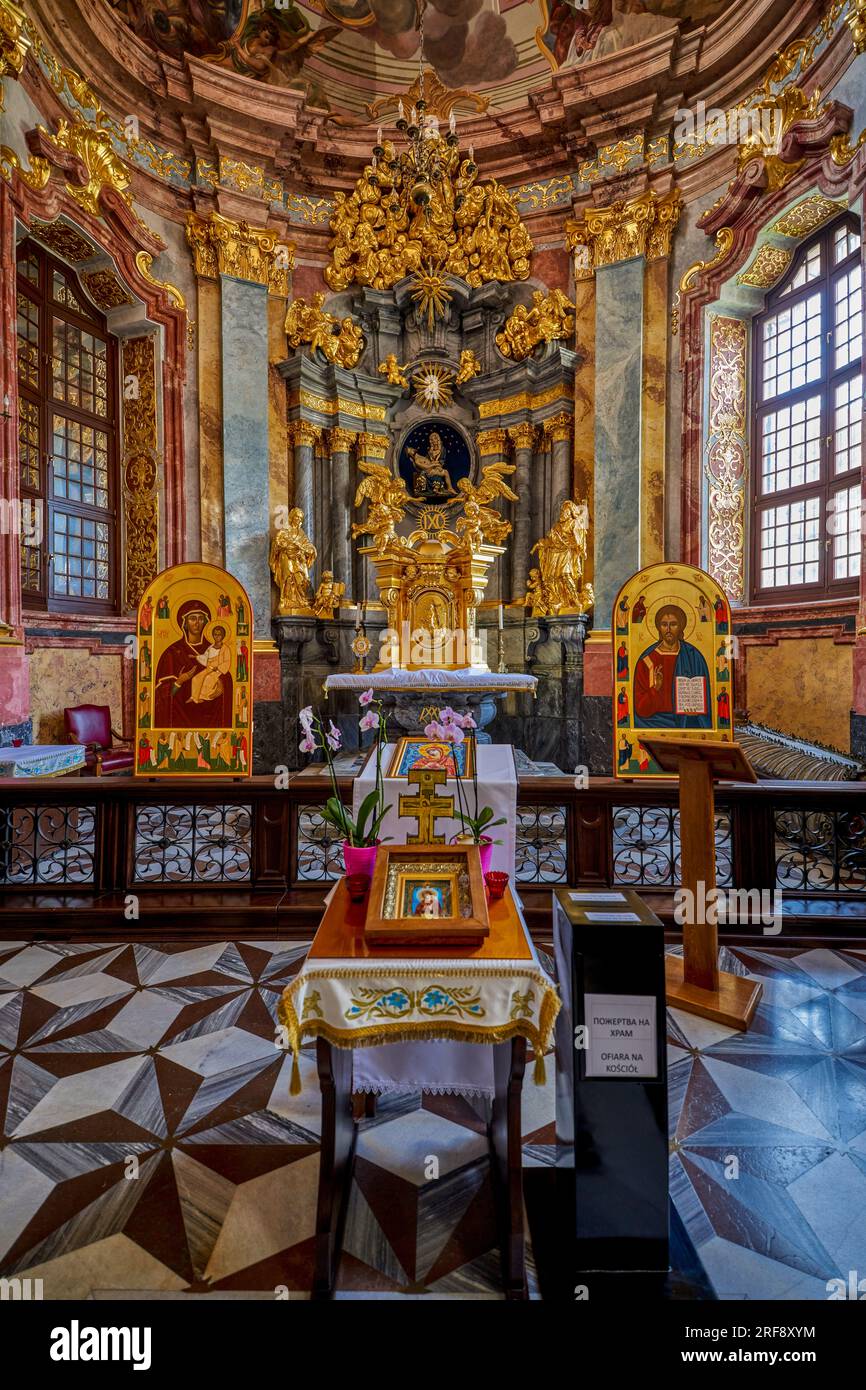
(828,483)
(47,407)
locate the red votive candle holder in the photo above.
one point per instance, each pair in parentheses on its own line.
(497,882)
(358,886)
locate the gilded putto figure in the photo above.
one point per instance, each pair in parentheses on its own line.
(387,497)
(339,340)
(328,595)
(480,522)
(548,320)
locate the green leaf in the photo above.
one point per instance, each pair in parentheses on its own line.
(365,811)
(485,815)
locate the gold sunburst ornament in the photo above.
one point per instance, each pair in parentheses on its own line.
(430,292)
(433,386)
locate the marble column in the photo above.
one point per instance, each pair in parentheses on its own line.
(304,439)
(14,680)
(246,475)
(493,447)
(559,430)
(341,441)
(618,380)
(523,437)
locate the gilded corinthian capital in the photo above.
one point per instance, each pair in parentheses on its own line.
(523,436)
(223,247)
(304,432)
(341,439)
(641,226)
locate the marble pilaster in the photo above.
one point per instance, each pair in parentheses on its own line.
(246,478)
(618,382)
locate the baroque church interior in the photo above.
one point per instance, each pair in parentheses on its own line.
(432,606)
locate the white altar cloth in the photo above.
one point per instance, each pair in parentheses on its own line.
(468,679)
(497,787)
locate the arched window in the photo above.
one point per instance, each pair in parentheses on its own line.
(67,398)
(808,392)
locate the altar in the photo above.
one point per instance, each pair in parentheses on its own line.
(497,788)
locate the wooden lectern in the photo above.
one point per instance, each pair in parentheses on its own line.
(695,983)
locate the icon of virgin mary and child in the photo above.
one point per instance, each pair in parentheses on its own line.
(671,679)
(194,686)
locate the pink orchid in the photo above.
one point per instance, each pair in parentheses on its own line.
(308,744)
(306,718)
(434,730)
(449,716)
(334,737)
(469,722)
(452,733)
(369,721)
(366,697)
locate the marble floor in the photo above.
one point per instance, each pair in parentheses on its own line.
(149,1146)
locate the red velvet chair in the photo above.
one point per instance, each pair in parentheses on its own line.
(91,725)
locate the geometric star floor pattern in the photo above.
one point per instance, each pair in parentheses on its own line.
(149,1146)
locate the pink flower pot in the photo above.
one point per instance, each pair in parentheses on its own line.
(359,859)
(486,850)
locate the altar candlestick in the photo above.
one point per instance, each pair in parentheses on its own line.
(452,123)
(400,110)
(358,618)
(501,618)
(379,136)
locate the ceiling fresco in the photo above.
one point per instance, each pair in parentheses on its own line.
(345,53)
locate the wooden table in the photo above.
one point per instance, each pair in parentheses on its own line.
(340,938)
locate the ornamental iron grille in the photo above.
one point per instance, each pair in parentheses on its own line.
(320,858)
(47,844)
(646,846)
(822,851)
(193,844)
(541,844)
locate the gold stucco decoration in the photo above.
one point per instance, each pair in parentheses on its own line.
(339,340)
(546,321)
(14,41)
(469,229)
(223,247)
(641,226)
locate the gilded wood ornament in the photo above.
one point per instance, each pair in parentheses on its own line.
(726,465)
(387,499)
(340,341)
(768,266)
(467,367)
(479,522)
(671,655)
(291,559)
(557,586)
(547,320)
(394,374)
(469,229)
(194,675)
(427,805)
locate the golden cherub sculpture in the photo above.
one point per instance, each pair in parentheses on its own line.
(291,559)
(388,498)
(467,368)
(479,521)
(340,341)
(557,585)
(391,369)
(328,595)
(548,320)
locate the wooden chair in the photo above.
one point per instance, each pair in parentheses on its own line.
(91,725)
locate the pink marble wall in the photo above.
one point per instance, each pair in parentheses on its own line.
(14,685)
(266,676)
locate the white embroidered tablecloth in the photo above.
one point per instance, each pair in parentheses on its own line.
(467,678)
(41,759)
(416,1023)
(497,788)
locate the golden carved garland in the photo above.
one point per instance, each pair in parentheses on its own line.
(140,468)
(726,454)
(548,320)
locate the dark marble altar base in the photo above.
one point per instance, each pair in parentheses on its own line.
(858,736)
(596,735)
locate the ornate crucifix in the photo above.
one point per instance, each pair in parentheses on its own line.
(427,805)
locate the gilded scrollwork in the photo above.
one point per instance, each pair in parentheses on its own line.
(223,247)
(14,41)
(340,341)
(726,463)
(140,470)
(641,226)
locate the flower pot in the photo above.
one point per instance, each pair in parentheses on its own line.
(485,848)
(359,859)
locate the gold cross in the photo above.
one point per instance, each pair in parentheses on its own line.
(427,805)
